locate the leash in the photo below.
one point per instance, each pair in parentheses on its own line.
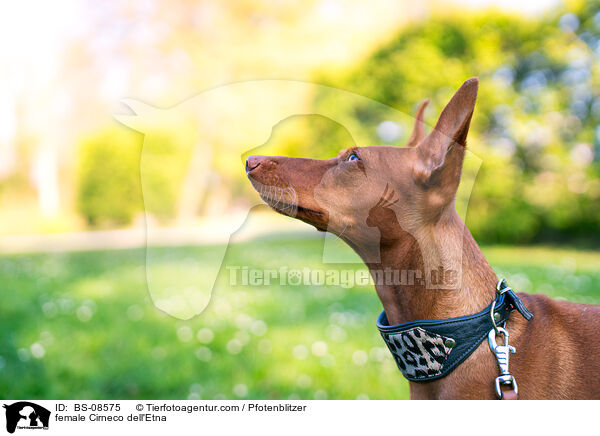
(426,350)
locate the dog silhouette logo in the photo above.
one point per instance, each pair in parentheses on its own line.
(26,415)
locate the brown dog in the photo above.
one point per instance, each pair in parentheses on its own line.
(396,208)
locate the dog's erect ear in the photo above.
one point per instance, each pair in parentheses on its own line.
(441,153)
(419,129)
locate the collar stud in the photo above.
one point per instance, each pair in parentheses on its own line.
(450,343)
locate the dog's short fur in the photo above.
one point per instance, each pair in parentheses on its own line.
(396,208)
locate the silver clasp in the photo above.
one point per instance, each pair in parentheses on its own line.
(502,353)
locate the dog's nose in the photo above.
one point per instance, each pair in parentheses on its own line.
(252,163)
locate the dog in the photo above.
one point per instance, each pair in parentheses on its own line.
(395,206)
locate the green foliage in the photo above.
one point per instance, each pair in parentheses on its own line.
(497,211)
(535,125)
(165,158)
(108,177)
(114,170)
(98,335)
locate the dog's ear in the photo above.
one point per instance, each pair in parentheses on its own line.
(419,129)
(440,154)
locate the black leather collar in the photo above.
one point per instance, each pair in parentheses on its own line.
(429,350)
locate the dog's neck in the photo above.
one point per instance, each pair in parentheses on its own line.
(446,247)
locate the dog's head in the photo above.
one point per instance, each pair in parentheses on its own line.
(374,195)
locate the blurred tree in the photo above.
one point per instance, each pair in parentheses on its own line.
(536,121)
(108,178)
(113,168)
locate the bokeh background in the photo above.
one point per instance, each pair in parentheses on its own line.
(76,320)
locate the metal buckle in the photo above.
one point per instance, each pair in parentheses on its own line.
(501,288)
(506,379)
(502,353)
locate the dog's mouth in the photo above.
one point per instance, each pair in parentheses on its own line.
(289,209)
(285,202)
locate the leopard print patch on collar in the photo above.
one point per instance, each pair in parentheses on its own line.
(418,353)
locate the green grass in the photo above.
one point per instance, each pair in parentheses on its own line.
(82,325)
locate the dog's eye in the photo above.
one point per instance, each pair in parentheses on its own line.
(353,156)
